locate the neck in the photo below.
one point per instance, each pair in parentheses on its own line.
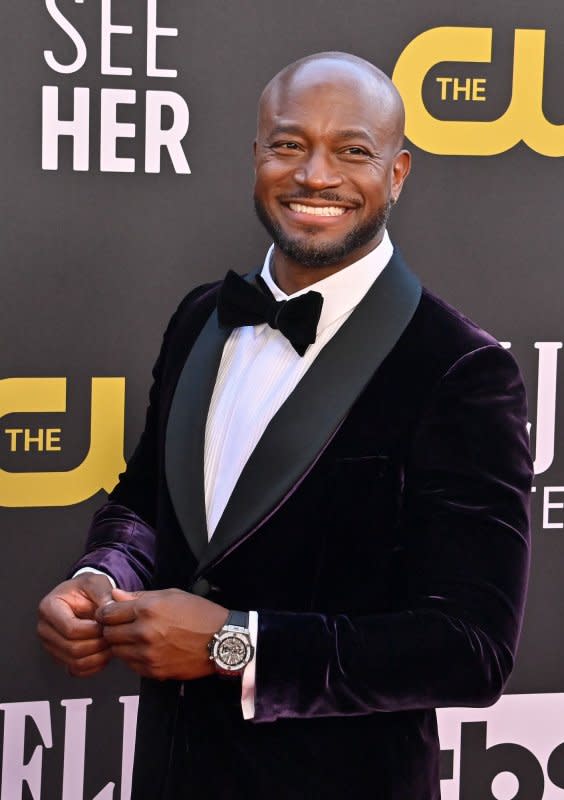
(292,276)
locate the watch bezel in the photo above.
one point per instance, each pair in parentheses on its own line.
(219,638)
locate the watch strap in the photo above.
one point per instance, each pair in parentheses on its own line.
(238,619)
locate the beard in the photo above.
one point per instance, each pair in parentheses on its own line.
(305,251)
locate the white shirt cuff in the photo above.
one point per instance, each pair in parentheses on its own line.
(248,685)
(99,572)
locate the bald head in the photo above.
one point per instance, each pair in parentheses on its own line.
(349,73)
(329,163)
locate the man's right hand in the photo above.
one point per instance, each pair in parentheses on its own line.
(67,627)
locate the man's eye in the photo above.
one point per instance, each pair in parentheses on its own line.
(356,151)
(286,145)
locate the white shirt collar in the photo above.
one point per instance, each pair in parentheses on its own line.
(343,290)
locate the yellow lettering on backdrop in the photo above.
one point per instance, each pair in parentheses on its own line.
(524,118)
(104,460)
(479,90)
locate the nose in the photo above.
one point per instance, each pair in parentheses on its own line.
(317,172)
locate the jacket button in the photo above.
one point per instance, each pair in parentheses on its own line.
(201,587)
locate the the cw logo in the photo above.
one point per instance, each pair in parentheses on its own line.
(523,120)
(104,460)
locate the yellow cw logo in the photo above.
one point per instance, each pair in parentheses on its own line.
(524,119)
(103,462)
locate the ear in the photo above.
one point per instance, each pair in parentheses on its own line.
(255,153)
(401,166)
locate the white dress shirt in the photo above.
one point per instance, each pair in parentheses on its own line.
(259,369)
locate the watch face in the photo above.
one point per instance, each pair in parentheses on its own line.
(232,651)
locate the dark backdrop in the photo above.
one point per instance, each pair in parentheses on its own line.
(95,261)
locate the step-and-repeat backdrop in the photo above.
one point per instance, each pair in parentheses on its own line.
(126,178)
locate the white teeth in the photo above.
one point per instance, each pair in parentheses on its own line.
(325,211)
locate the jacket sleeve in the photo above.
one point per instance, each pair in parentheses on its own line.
(466,531)
(122,537)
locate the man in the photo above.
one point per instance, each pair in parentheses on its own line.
(358,483)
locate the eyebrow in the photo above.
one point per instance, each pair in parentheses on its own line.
(354,133)
(347,133)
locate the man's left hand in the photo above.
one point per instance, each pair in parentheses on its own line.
(162,634)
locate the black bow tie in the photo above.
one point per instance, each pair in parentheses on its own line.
(243,303)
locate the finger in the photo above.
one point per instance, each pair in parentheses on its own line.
(97,588)
(89,665)
(77,648)
(120,595)
(74,665)
(126,634)
(75,600)
(117,613)
(59,615)
(55,653)
(85,611)
(88,673)
(128,652)
(131,658)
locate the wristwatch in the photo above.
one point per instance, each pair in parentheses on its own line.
(230,648)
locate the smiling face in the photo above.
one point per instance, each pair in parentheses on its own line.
(328,162)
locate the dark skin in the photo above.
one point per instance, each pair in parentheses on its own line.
(67,625)
(330,133)
(83,623)
(162,634)
(329,137)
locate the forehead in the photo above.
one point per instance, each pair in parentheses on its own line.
(322,96)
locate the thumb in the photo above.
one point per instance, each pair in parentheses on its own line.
(121,609)
(121,595)
(97,588)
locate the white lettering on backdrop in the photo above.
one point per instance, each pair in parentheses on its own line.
(20,719)
(77,127)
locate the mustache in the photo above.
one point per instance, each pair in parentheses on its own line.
(327,196)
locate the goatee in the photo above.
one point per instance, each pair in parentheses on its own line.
(306,252)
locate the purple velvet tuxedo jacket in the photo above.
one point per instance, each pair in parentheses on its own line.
(380,528)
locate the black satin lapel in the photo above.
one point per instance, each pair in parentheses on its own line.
(306,422)
(185,433)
